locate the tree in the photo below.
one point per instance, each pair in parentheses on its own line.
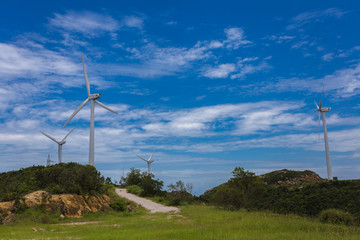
(242,191)
(180,194)
(146,181)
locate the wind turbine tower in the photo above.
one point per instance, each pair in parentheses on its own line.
(49,161)
(323,110)
(149,161)
(60,143)
(93,98)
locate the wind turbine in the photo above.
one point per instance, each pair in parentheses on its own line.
(323,110)
(60,143)
(149,161)
(93,98)
(49,161)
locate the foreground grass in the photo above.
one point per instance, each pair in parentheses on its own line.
(195,222)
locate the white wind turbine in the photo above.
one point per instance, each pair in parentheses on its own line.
(93,98)
(49,161)
(149,161)
(323,110)
(60,143)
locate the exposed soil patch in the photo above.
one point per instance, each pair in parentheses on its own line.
(146,203)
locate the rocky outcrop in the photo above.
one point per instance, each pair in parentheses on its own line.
(70,205)
(313,177)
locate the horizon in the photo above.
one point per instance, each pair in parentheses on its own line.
(210,85)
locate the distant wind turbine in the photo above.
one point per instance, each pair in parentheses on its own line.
(60,143)
(322,110)
(93,98)
(149,161)
(49,161)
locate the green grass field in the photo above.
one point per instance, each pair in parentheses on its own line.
(194,222)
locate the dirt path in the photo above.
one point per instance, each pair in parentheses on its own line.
(148,204)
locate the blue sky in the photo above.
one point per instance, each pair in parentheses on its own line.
(210,84)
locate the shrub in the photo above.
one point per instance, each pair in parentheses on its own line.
(179,194)
(119,205)
(336,216)
(134,189)
(150,186)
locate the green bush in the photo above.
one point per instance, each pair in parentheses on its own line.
(150,186)
(119,205)
(134,189)
(336,216)
(179,194)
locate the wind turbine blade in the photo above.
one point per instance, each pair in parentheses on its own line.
(102,105)
(142,158)
(52,138)
(85,75)
(67,135)
(151,155)
(76,111)
(319,128)
(316,105)
(322,92)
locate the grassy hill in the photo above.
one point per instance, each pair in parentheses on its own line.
(286,191)
(57,179)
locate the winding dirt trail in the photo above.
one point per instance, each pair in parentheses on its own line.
(146,203)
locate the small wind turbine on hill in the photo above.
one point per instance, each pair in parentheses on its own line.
(323,110)
(60,143)
(93,98)
(149,161)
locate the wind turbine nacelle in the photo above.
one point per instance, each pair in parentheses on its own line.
(325,109)
(62,142)
(95,96)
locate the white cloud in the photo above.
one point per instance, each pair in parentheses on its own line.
(342,83)
(87,23)
(314,16)
(133,22)
(328,57)
(246,69)
(19,61)
(235,38)
(221,71)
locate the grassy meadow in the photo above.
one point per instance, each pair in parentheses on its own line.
(194,222)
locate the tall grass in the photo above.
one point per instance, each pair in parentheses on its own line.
(194,222)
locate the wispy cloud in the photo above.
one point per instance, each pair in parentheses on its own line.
(87,23)
(236,71)
(342,83)
(221,71)
(133,22)
(30,61)
(314,16)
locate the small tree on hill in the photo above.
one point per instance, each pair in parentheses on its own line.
(241,191)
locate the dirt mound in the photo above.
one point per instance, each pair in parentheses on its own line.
(70,205)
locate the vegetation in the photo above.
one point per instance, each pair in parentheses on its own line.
(283,175)
(336,216)
(59,178)
(195,222)
(134,189)
(179,194)
(245,190)
(312,198)
(150,186)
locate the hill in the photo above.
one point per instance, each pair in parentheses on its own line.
(60,178)
(286,191)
